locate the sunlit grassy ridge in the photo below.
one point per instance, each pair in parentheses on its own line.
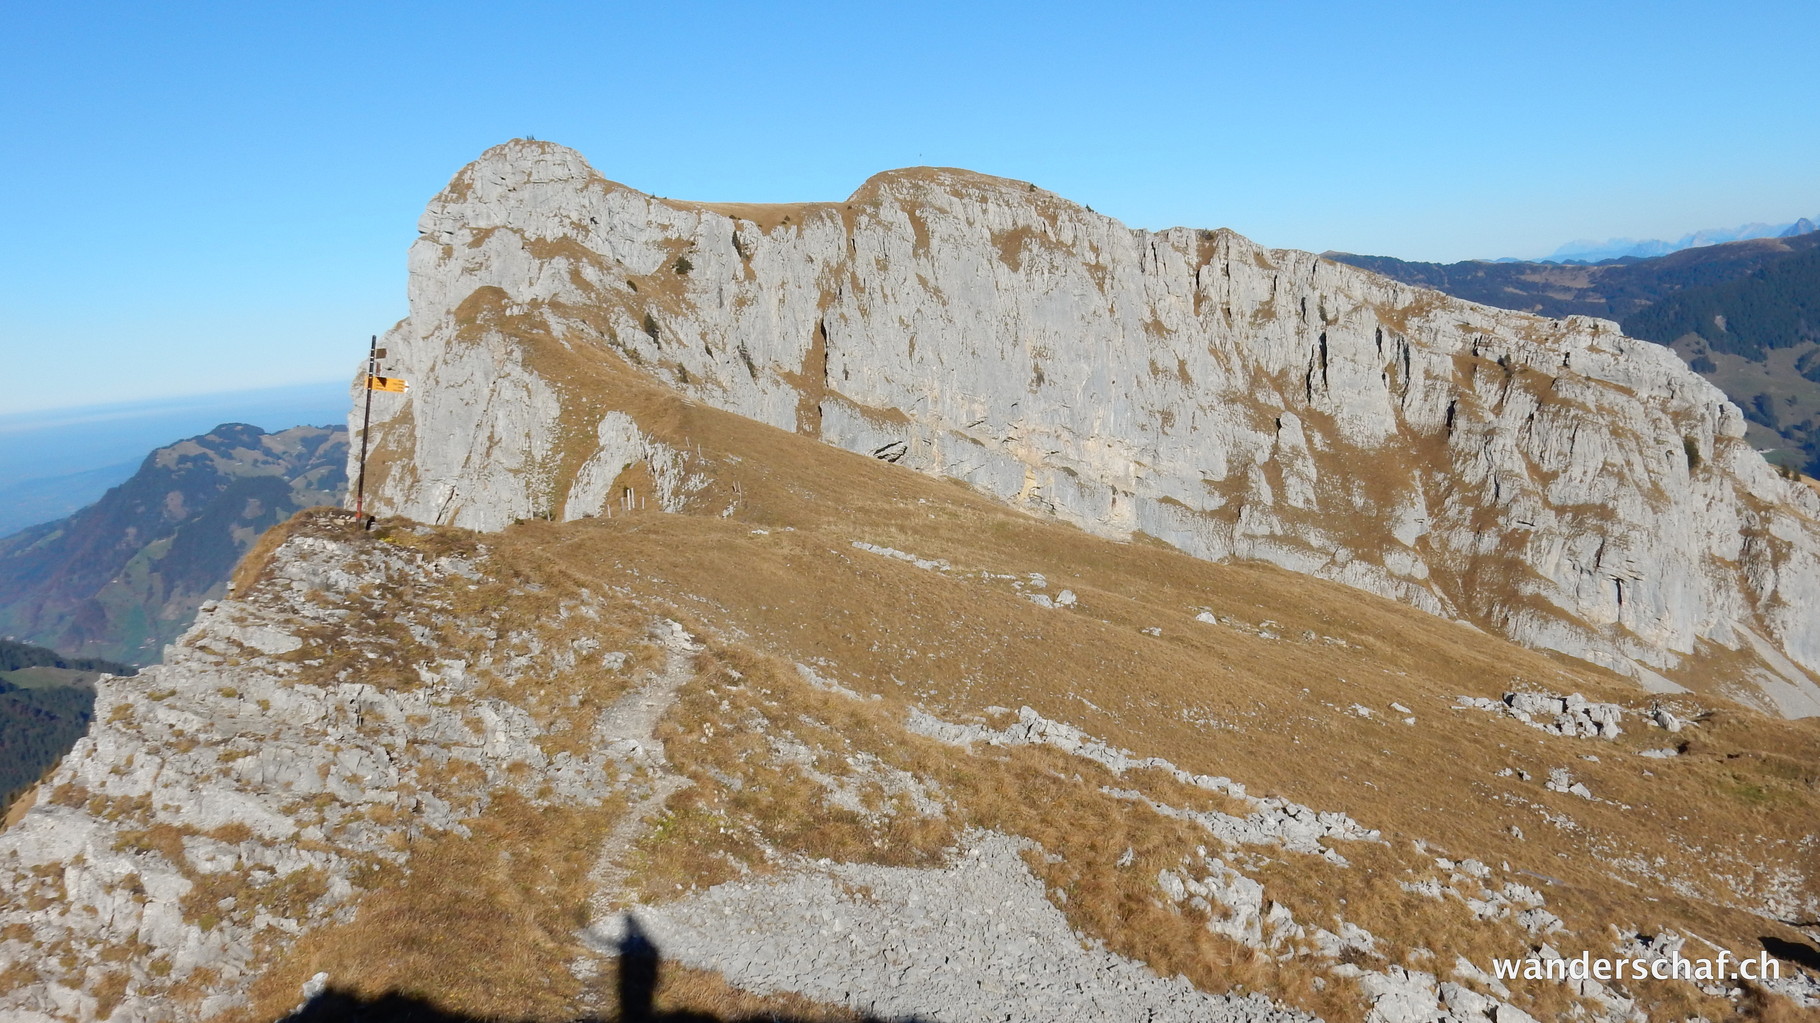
(763,567)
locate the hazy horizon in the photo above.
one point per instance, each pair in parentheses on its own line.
(225,197)
(63,441)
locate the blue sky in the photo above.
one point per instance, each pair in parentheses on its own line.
(209,198)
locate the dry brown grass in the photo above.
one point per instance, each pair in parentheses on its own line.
(252,567)
(682,990)
(164,839)
(1213,699)
(200,983)
(109,991)
(745,799)
(766,217)
(17,975)
(289,896)
(232,833)
(482,925)
(958,644)
(18,808)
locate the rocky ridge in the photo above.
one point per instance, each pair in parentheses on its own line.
(754,692)
(237,795)
(1549,480)
(303,799)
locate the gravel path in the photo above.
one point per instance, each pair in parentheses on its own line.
(975,941)
(627,732)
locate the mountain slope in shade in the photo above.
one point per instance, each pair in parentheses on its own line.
(1776,306)
(124,576)
(1758,338)
(46,703)
(1613,291)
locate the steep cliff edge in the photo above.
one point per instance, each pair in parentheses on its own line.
(1549,480)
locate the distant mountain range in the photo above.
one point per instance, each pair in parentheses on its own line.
(124,576)
(1589,251)
(1614,291)
(55,462)
(30,502)
(1745,314)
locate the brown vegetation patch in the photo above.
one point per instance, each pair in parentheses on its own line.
(164,839)
(956,645)
(19,807)
(778,583)
(481,925)
(1011,245)
(767,217)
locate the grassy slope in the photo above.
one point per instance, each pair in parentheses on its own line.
(762,566)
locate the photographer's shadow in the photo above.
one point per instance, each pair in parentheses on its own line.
(639,970)
(639,966)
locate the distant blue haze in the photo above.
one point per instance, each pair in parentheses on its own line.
(51,464)
(1589,251)
(205,197)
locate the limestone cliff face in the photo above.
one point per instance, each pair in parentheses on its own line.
(1551,480)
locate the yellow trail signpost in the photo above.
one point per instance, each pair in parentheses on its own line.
(375,382)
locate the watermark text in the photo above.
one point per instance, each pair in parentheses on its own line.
(1586,966)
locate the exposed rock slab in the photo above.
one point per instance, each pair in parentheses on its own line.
(975,941)
(1551,480)
(228,800)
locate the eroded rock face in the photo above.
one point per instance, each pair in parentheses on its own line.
(1551,480)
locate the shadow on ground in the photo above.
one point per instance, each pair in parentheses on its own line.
(640,970)
(1793,952)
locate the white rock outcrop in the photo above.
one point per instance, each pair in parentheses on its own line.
(974,941)
(1551,480)
(228,800)
(1571,715)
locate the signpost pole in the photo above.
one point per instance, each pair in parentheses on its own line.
(366,420)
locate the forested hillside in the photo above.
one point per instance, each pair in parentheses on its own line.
(1776,306)
(1616,290)
(46,701)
